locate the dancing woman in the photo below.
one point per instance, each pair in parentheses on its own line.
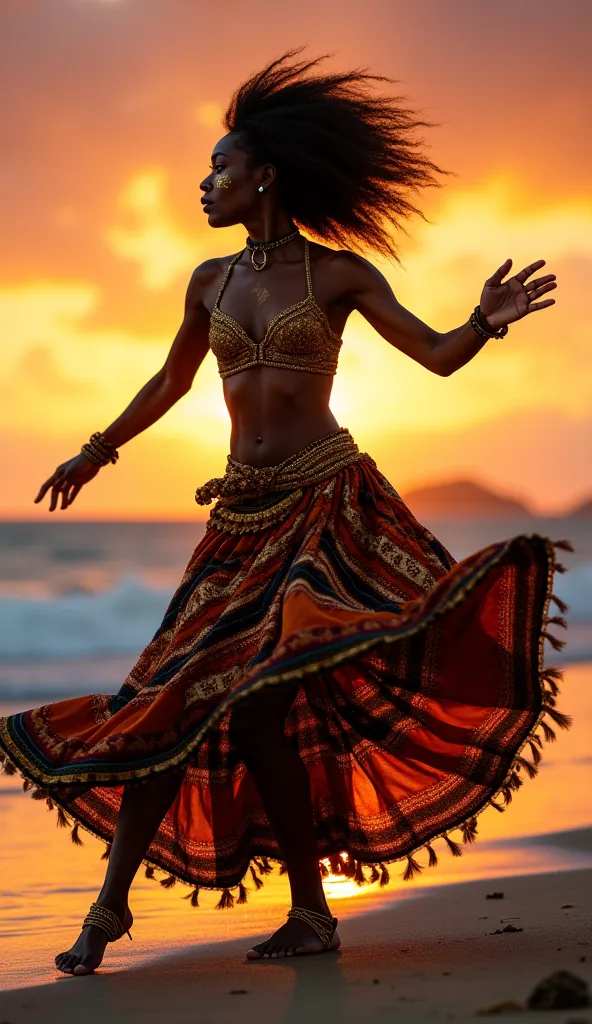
(327,682)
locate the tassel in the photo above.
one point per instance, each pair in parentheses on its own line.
(374,873)
(63,820)
(497,806)
(563,721)
(549,733)
(39,794)
(556,644)
(565,545)
(349,867)
(149,871)
(74,836)
(523,762)
(49,803)
(384,876)
(226,900)
(507,794)
(551,689)
(267,867)
(193,896)
(455,849)
(242,893)
(9,768)
(335,862)
(558,567)
(27,784)
(106,852)
(258,882)
(563,607)
(432,855)
(557,620)
(359,877)
(534,750)
(283,868)
(413,868)
(469,830)
(323,869)
(168,882)
(514,780)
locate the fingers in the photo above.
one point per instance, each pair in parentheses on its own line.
(500,273)
(536,292)
(522,275)
(45,487)
(541,305)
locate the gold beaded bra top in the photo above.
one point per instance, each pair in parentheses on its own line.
(297,338)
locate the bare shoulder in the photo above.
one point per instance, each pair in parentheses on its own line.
(206,276)
(353,271)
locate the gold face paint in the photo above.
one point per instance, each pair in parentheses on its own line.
(222,181)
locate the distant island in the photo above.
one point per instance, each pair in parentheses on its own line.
(583,509)
(466,498)
(463,498)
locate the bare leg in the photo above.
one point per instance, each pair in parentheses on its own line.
(143,807)
(258,730)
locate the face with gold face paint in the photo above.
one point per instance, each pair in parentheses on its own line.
(231,190)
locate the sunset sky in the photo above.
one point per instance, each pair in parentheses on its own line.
(113,108)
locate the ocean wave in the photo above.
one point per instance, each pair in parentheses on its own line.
(119,620)
(122,619)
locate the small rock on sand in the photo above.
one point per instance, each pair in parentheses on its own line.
(494,896)
(560,991)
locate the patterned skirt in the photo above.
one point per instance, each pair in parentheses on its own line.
(423,699)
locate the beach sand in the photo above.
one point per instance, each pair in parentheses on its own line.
(430,957)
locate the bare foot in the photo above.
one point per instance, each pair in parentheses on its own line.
(294,938)
(87,952)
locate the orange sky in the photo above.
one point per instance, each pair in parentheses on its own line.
(114,107)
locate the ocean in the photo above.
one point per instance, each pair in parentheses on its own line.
(80,600)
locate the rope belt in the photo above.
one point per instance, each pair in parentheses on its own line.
(310,465)
(243,482)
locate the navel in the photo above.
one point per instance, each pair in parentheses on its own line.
(259,439)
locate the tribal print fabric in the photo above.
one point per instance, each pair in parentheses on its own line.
(422,687)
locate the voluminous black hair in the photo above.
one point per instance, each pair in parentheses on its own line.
(347,161)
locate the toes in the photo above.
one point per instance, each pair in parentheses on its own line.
(82,969)
(257,952)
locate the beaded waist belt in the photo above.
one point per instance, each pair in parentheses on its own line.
(242,483)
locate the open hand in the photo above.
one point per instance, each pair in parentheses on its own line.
(504,303)
(67,481)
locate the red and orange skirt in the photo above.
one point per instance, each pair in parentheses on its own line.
(423,696)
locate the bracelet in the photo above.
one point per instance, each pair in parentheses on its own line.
(99,451)
(480,328)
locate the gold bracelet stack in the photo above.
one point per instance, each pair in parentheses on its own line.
(99,451)
(480,328)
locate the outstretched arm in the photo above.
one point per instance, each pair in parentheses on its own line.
(161,392)
(501,304)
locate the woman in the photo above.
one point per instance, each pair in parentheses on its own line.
(327,681)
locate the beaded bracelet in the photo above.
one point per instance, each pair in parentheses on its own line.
(99,451)
(480,328)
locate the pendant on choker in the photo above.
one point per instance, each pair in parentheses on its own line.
(262,247)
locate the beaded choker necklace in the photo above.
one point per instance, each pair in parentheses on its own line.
(262,247)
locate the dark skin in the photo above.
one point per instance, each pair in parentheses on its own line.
(274,413)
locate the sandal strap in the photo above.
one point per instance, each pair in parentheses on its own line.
(106,920)
(324,926)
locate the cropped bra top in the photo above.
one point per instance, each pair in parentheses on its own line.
(297,338)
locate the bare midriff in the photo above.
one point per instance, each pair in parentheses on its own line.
(276,412)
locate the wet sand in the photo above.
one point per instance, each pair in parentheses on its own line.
(432,957)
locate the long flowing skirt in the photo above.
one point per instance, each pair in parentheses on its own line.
(423,697)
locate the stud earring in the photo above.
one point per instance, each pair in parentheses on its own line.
(261,189)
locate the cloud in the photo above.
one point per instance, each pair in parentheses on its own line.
(162,251)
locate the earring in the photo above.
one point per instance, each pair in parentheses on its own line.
(261,189)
